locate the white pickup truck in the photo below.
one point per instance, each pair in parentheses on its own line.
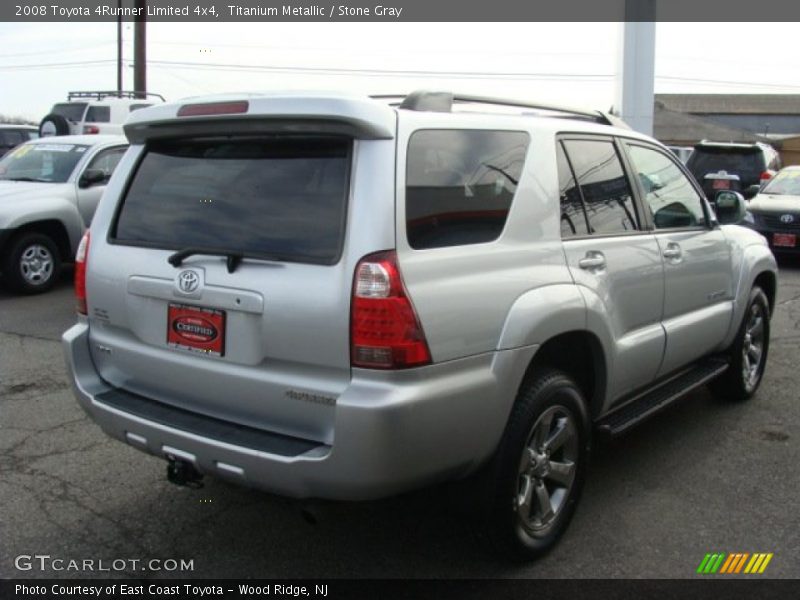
(49,189)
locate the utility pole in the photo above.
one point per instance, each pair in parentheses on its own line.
(119,48)
(140,49)
(636,65)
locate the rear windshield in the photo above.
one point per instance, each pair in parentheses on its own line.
(72,111)
(747,163)
(280,198)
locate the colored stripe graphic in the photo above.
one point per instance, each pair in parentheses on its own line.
(766,562)
(703,563)
(718,563)
(711,563)
(727,565)
(730,564)
(741,562)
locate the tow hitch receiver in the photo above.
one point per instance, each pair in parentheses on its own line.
(183,473)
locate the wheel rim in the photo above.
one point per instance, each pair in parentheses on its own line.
(753,347)
(36,264)
(546,471)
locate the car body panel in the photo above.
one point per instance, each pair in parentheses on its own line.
(22,202)
(698,290)
(275,346)
(486,309)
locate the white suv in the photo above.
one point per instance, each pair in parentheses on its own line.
(94,112)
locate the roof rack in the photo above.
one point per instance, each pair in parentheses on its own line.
(99,95)
(444,101)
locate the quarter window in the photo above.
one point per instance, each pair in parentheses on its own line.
(606,192)
(98,114)
(573,217)
(671,198)
(460,185)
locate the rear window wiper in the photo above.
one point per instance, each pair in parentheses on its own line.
(232,258)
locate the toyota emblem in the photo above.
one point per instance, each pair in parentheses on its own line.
(188,281)
(787,219)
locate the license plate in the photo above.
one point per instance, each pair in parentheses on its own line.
(784,240)
(196,329)
(721,184)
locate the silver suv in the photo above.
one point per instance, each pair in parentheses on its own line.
(346,297)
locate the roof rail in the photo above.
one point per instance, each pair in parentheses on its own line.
(444,101)
(99,95)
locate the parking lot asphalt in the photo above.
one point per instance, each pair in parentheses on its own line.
(703,476)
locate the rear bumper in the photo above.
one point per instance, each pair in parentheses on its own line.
(394,431)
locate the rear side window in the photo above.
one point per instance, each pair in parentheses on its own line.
(72,111)
(460,185)
(606,192)
(280,198)
(573,218)
(98,114)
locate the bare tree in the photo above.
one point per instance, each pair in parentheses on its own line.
(15,120)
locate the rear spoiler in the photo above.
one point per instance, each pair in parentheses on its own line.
(355,117)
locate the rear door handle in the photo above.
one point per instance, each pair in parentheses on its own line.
(592,260)
(672,251)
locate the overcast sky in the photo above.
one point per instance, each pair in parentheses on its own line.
(572,62)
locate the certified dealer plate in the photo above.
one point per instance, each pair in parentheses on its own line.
(784,240)
(196,329)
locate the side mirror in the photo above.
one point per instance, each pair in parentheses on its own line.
(730,207)
(673,215)
(92,177)
(752,190)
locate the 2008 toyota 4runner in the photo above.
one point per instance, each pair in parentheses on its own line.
(344,297)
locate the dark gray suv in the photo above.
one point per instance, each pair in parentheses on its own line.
(742,168)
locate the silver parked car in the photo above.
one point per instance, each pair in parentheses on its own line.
(775,212)
(344,297)
(49,190)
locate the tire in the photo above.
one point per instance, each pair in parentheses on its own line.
(33,264)
(53,124)
(521,479)
(748,353)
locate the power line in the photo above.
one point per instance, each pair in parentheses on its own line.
(58,50)
(289,69)
(725,82)
(377,72)
(82,63)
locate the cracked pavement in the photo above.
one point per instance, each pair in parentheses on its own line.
(701,477)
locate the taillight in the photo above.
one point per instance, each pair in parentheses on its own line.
(80,274)
(385,332)
(91,129)
(765,176)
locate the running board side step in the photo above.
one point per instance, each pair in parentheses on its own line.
(653,400)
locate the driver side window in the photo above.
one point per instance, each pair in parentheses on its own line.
(107,160)
(670,196)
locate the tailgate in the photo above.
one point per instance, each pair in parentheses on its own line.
(224,284)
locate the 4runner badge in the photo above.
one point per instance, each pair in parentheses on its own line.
(190,282)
